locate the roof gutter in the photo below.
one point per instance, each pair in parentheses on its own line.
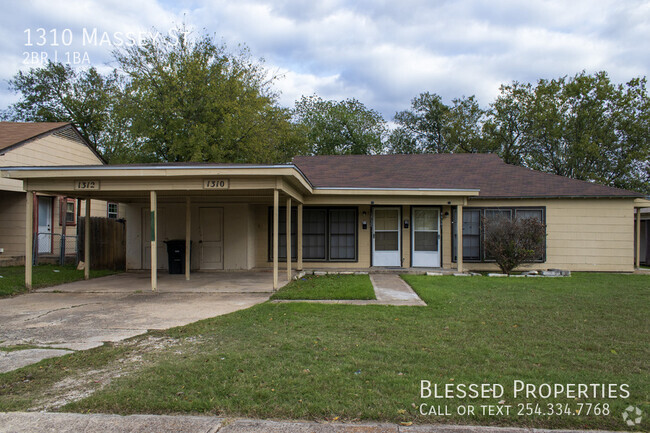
(352,188)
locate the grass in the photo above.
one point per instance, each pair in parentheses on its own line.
(315,361)
(13,277)
(328,287)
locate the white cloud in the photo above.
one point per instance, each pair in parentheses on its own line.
(381,52)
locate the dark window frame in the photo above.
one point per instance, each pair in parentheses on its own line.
(327,210)
(513,212)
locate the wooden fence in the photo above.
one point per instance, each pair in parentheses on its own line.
(107,243)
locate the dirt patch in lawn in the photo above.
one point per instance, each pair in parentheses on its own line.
(83,383)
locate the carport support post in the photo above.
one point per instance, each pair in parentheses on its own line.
(87,241)
(299,240)
(276,233)
(289,239)
(188,241)
(637,260)
(154,244)
(29,235)
(459,231)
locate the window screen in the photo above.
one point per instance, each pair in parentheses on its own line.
(342,234)
(425,229)
(327,234)
(314,232)
(495,213)
(69,212)
(492,214)
(471,234)
(529,213)
(473,230)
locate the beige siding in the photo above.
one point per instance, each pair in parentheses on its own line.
(12,228)
(49,150)
(582,234)
(171,225)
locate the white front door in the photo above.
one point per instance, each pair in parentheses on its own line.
(386,237)
(44,225)
(425,237)
(211,237)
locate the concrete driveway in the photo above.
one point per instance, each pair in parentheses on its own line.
(85,314)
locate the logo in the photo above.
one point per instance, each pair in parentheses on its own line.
(632,416)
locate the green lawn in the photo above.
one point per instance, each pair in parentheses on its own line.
(13,277)
(328,287)
(316,361)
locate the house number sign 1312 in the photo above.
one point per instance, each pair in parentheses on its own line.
(216,183)
(86,184)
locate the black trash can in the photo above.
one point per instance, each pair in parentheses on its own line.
(176,255)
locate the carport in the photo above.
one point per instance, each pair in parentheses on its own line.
(186,185)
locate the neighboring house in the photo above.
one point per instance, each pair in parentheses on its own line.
(353,212)
(33,144)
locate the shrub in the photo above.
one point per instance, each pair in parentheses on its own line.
(511,242)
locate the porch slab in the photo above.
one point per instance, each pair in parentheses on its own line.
(200,282)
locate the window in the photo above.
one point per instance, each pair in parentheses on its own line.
(425,229)
(342,234)
(474,231)
(529,213)
(112,210)
(68,211)
(471,234)
(328,234)
(314,234)
(491,214)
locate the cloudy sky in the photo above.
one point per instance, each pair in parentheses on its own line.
(381,52)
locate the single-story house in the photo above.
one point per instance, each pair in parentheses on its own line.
(350,212)
(53,214)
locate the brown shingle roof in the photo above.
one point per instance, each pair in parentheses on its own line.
(486,172)
(12,133)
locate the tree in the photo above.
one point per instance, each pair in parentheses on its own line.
(512,242)
(59,93)
(340,128)
(583,127)
(424,125)
(189,99)
(430,126)
(463,126)
(504,129)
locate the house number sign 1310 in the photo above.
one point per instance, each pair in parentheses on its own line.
(86,184)
(216,184)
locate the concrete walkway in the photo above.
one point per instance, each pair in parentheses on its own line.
(390,289)
(24,422)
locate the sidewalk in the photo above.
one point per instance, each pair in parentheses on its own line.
(27,422)
(390,289)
